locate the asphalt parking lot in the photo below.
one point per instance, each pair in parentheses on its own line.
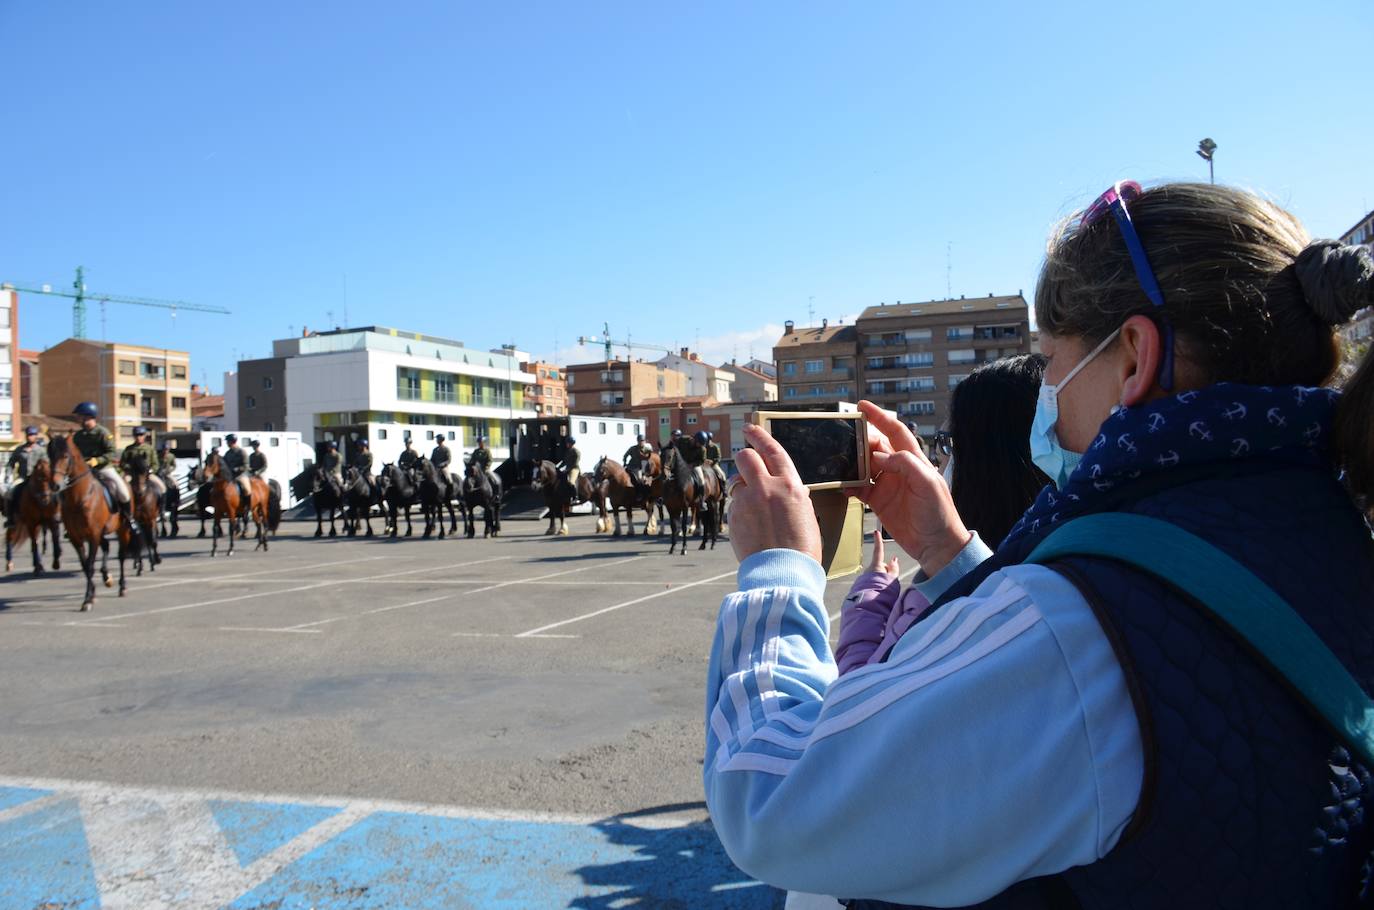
(525,680)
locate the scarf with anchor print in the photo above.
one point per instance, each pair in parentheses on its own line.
(1223,422)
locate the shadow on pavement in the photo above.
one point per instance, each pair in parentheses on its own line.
(675,868)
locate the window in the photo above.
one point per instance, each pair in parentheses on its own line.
(959,333)
(179,372)
(250,402)
(126,401)
(815,366)
(789,368)
(961,355)
(917,335)
(274,441)
(691,420)
(582,427)
(956,378)
(178,402)
(126,368)
(266,381)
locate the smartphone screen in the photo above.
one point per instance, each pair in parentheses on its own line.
(825,450)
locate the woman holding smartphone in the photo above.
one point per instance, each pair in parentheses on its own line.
(1081,733)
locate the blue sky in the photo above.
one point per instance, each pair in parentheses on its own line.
(524,172)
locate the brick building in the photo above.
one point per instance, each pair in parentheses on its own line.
(610,388)
(131,384)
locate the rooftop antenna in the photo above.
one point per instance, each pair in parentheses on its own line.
(949,268)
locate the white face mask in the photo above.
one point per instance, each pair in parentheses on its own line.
(1046,452)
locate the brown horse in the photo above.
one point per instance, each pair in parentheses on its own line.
(88,516)
(620,492)
(687,498)
(147,508)
(226,497)
(34,511)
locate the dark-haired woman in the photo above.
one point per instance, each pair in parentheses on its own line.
(1081,733)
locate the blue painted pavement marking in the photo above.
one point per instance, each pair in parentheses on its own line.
(71,844)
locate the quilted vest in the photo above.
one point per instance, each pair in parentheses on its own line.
(1249,800)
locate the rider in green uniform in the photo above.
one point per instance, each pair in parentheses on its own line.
(96,445)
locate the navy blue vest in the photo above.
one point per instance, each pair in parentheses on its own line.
(1249,800)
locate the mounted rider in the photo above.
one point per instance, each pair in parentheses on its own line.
(22,462)
(237,464)
(96,445)
(481,456)
(257,462)
(362,463)
(142,449)
(713,457)
(569,465)
(636,460)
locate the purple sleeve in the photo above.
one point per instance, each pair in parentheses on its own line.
(863,618)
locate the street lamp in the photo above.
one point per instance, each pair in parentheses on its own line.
(1205,149)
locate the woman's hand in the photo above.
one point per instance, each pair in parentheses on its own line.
(907,494)
(878,564)
(770,508)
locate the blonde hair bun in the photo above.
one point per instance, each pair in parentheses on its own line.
(1337,279)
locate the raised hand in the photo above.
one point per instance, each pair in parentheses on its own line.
(907,494)
(770,508)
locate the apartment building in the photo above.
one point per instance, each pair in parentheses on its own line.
(703,379)
(913,355)
(610,388)
(11,426)
(132,384)
(548,395)
(383,385)
(817,366)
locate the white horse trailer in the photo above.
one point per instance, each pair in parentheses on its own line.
(286,455)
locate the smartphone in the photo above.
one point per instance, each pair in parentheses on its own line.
(830,450)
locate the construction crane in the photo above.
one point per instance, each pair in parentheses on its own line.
(605,340)
(80,295)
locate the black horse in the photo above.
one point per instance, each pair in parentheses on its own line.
(484,491)
(400,491)
(436,491)
(360,497)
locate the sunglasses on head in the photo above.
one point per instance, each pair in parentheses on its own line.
(1115,200)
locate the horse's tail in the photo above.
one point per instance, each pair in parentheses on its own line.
(273,505)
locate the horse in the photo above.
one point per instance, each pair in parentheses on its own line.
(88,516)
(33,507)
(685,498)
(558,496)
(171,505)
(436,491)
(359,499)
(399,491)
(620,492)
(146,505)
(478,491)
(227,499)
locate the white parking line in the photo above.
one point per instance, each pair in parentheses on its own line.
(629,603)
(450,594)
(309,587)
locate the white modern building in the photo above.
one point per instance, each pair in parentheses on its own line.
(703,379)
(383,385)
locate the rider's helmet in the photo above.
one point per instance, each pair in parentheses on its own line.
(86,409)
(231,439)
(140,431)
(30,431)
(701,437)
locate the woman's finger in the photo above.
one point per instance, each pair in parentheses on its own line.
(887,423)
(774,456)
